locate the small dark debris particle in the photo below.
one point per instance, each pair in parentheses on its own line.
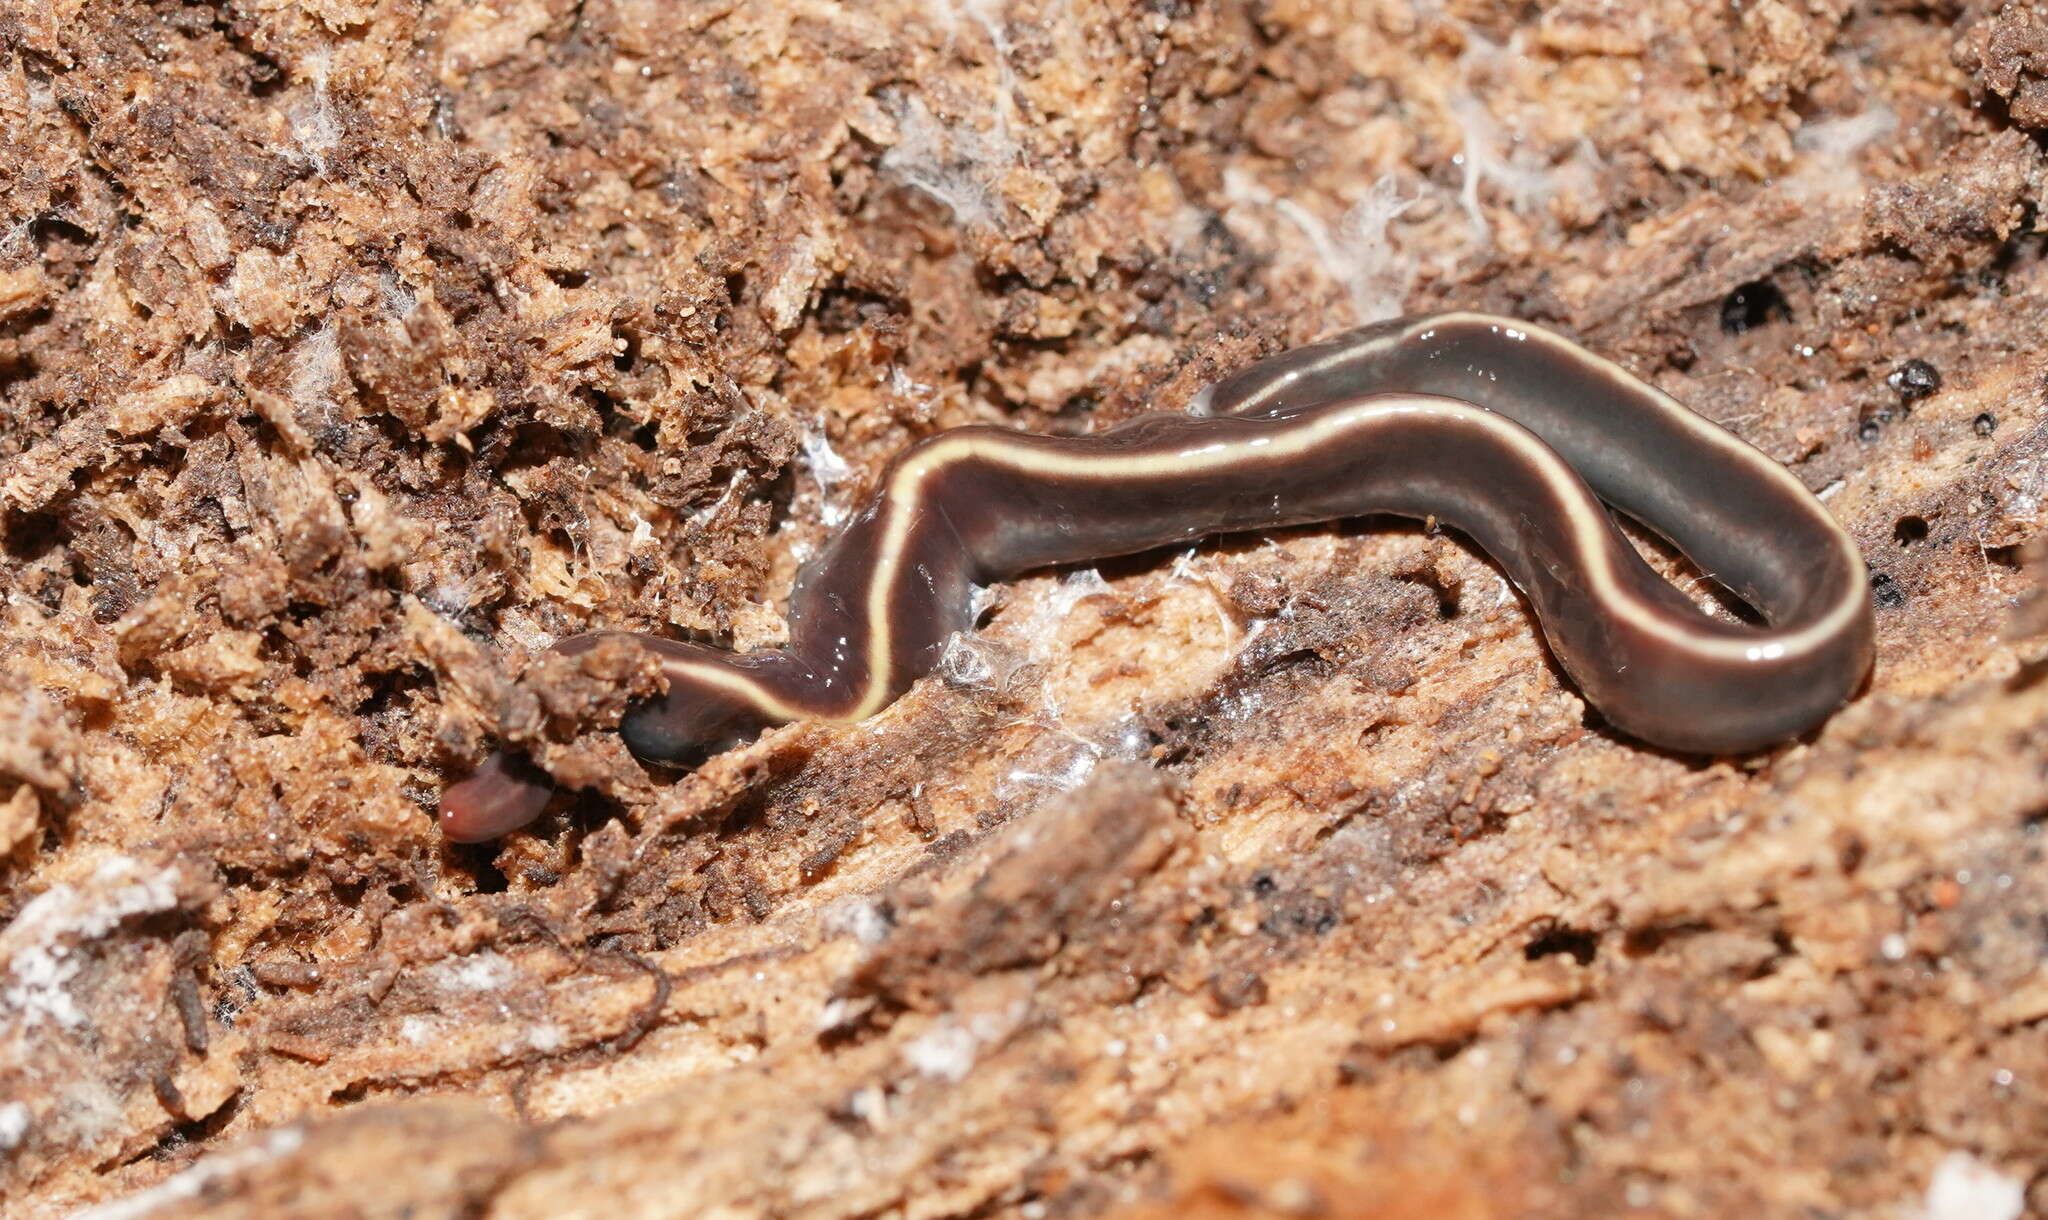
(1915,380)
(1577,943)
(1853,850)
(1887,592)
(1235,988)
(168,1096)
(285,973)
(1985,424)
(1869,430)
(191,1010)
(1356,1069)
(1752,305)
(1263,883)
(1293,914)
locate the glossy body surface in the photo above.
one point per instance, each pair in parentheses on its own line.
(1510,433)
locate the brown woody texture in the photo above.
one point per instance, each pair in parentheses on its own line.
(353,350)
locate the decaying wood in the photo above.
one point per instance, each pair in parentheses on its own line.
(353,350)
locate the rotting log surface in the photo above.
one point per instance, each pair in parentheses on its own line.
(351,351)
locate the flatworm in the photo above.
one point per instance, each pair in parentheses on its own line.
(1509,433)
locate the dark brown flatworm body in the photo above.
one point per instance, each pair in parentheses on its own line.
(1501,429)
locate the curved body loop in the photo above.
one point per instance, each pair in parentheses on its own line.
(1506,431)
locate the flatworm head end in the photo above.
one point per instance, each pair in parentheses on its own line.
(506,793)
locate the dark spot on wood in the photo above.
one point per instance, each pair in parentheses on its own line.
(1752,305)
(1915,380)
(1578,943)
(1850,855)
(191,1010)
(1235,988)
(1292,914)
